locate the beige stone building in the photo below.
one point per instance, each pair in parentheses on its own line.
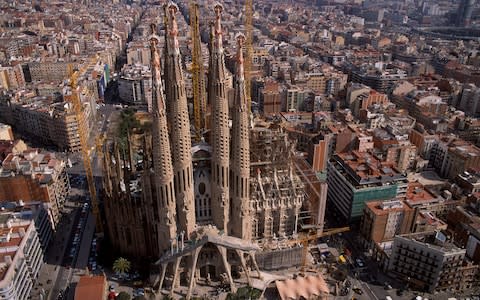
(48,71)
(50,122)
(6,133)
(12,77)
(33,175)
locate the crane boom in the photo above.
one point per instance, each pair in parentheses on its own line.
(83,136)
(249,50)
(306,239)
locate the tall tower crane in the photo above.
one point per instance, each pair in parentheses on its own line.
(83,135)
(199,95)
(249,50)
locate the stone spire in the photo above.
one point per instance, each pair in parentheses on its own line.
(240,184)
(210,94)
(180,128)
(220,131)
(164,203)
(166,76)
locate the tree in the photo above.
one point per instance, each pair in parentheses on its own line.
(121,265)
(245,293)
(123,296)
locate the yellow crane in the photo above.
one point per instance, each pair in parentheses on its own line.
(249,50)
(198,80)
(308,237)
(83,136)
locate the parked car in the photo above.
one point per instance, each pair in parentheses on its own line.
(360,263)
(139,292)
(358,290)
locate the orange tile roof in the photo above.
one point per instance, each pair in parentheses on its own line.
(91,288)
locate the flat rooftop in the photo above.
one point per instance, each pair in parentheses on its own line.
(365,165)
(418,194)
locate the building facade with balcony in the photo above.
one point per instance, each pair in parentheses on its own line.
(428,262)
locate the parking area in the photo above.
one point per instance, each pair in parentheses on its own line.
(70,258)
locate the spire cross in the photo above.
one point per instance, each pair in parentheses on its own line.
(218,25)
(218,13)
(155,55)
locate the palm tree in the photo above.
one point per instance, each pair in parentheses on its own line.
(123,295)
(121,265)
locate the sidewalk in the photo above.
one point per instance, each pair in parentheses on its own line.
(48,274)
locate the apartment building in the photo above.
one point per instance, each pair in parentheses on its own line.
(47,71)
(459,159)
(50,122)
(293,99)
(12,77)
(355,178)
(21,257)
(381,81)
(33,176)
(317,82)
(428,261)
(451,156)
(138,53)
(135,85)
(365,100)
(6,133)
(469,101)
(36,211)
(382,220)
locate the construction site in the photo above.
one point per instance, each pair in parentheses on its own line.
(207,201)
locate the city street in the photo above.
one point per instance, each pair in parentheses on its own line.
(50,273)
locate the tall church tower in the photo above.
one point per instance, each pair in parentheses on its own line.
(240,225)
(164,212)
(180,128)
(220,131)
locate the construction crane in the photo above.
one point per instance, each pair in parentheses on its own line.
(249,50)
(83,135)
(198,80)
(308,237)
(99,140)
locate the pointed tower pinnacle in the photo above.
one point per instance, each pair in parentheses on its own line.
(166,76)
(220,130)
(180,128)
(240,184)
(164,205)
(211,47)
